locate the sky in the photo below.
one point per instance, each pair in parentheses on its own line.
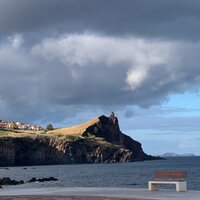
(64,62)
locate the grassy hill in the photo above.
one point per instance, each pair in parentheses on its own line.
(77,130)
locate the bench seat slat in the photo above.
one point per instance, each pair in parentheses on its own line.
(174,175)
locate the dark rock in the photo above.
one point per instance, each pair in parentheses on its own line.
(7,152)
(8,181)
(108,128)
(47,179)
(42,179)
(21,182)
(32,180)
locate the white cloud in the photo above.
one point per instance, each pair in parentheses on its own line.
(152,65)
(16,41)
(135,77)
(139,55)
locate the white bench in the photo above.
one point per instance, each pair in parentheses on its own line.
(162,177)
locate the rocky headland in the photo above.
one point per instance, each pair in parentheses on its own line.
(96,141)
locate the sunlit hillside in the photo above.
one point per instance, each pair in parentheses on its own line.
(75,130)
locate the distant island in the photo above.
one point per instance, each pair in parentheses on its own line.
(98,140)
(172,154)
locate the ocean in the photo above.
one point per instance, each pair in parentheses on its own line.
(134,174)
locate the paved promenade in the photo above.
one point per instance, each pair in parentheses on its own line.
(12,193)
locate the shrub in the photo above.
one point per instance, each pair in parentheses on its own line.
(49,127)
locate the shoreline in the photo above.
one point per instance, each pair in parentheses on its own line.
(91,193)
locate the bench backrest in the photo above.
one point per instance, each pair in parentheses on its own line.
(180,175)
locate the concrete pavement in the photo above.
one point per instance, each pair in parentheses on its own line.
(108,192)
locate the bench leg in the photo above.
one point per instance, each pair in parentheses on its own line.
(153,186)
(181,186)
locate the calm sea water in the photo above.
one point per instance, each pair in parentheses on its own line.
(106,175)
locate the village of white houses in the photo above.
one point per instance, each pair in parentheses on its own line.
(19,126)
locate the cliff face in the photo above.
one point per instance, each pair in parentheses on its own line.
(7,152)
(100,142)
(108,128)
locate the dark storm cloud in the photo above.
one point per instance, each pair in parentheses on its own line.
(57,57)
(177,19)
